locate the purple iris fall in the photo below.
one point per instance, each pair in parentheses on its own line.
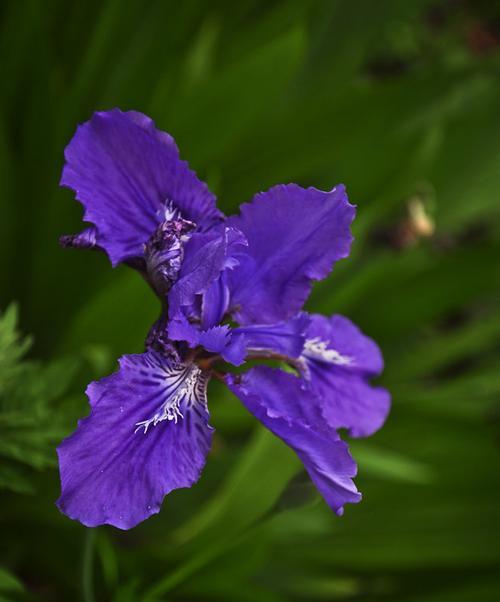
(231,289)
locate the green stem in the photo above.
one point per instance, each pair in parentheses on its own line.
(88,566)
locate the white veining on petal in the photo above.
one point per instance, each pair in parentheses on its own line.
(190,387)
(318,349)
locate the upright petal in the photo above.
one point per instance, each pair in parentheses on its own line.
(339,360)
(206,257)
(295,235)
(125,172)
(215,302)
(146,435)
(286,407)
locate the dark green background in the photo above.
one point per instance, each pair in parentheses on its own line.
(397,99)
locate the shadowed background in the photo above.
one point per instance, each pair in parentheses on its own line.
(400,101)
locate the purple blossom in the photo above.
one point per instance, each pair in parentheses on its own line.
(232,290)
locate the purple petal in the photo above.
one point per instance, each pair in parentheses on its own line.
(350,402)
(285,338)
(125,172)
(286,407)
(295,235)
(215,339)
(146,435)
(339,361)
(235,344)
(181,329)
(220,340)
(206,257)
(216,297)
(215,302)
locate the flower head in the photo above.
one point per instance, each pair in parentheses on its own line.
(232,289)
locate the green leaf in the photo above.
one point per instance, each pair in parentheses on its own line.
(8,582)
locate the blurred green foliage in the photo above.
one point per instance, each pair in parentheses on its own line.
(397,99)
(30,421)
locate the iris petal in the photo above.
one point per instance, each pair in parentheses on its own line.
(295,235)
(339,361)
(147,434)
(125,172)
(285,406)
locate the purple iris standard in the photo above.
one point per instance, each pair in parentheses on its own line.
(232,290)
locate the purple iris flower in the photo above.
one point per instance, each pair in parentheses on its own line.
(232,289)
